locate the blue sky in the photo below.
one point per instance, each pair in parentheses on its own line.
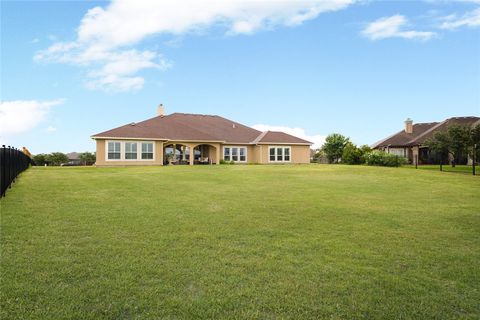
(360,68)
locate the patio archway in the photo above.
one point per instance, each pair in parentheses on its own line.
(176,153)
(206,154)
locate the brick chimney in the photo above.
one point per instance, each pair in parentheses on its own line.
(160,110)
(409,125)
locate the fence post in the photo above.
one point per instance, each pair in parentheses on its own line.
(2,170)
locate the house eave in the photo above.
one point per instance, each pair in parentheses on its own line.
(285,143)
(126,138)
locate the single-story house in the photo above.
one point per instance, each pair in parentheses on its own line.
(410,142)
(74,159)
(181,138)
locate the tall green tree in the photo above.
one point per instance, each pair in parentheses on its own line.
(87,158)
(475,140)
(333,147)
(460,142)
(440,144)
(456,141)
(39,159)
(56,158)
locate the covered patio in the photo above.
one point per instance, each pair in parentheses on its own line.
(180,153)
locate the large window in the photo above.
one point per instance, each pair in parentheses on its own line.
(147,150)
(397,151)
(226,154)
(237,154)
(279,154)
(114,151)
(130,150)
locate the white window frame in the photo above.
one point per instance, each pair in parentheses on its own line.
(283,154)
(132,143)
(238,153)
(106,150)
(141,150)
(397,151)
(122,150)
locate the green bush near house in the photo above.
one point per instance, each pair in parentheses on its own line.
(240,242)
(380,158)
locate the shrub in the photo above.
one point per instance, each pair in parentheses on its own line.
(351,154)
(39,159)
(380,158)
(56,158)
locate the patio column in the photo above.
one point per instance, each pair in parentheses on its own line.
(159,151)
(184,155)
(192,154)
(217,154)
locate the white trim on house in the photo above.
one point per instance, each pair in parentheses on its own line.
(123,149)
(238,153)
(283,147)
(125,138)
(284,143)
(195,141)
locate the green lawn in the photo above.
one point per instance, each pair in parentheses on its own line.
(241,242)
(448,168)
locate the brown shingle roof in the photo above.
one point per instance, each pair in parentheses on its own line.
(279,137)
(423,131)
(196,127)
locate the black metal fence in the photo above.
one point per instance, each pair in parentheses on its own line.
(12,163)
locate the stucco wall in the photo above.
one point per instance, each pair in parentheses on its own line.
(299,154)
(255,154)
(101,161)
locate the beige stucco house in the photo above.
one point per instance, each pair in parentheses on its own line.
(181,138)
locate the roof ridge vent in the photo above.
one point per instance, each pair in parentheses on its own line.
(133,123)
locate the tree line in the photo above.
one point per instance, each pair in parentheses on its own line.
(59,158)
(456,143)
(339,149)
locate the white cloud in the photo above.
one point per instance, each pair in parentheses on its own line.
(105,36)
(469,19)
(51,129)
(23,115)
(317,139)
(391,27)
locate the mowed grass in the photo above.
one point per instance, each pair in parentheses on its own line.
(241,242)
(447,168)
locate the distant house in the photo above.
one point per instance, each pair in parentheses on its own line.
(182,138)
(74,159)
(410,142)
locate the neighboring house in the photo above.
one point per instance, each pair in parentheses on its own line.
(410,142)
(181,138)
(73,159)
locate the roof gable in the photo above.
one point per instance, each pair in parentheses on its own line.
(279,137)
